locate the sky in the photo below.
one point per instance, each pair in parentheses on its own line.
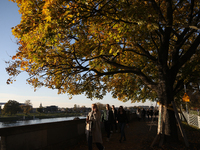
(20,90)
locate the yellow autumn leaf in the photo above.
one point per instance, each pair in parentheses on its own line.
(70,16)
(48,18)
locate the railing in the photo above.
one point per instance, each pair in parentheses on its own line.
(191,119)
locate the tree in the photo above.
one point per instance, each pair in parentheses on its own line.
(135,49)
(75,108)
(83,108)
(40,109)
(101,106)
(11,107)
(27,107)
(51,109)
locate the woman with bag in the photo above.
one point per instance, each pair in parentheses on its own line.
(93,128)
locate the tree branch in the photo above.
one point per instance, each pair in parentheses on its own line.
(134,70)
(146,53)
(155,6)
(187,55)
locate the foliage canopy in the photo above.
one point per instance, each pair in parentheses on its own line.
(11,107)
(125,47)
(27,107)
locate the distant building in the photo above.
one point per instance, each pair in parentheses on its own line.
(132,109)
(68,110)
(34,110)
(145,107)
(40,105)
(62,109)
(51,109)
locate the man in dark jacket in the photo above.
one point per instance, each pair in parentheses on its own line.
(107,118)
(143,114)
(151,113)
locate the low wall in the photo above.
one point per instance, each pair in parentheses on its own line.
(51,136)
(46,136)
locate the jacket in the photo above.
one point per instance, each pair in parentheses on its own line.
(122,118)
(95,127)
(110,116)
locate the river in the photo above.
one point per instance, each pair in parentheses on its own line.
(36,121)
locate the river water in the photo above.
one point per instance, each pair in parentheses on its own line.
(36,121)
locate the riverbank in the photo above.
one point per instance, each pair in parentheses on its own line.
(19,117)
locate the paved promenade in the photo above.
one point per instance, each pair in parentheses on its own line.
(138,138)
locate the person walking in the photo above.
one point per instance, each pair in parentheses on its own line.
(143,114)
(148,113)
(151,113)
(114,111)
(107,118)
(93,128)
(139,114)
(122,120)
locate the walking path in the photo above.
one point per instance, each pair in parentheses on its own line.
(137,134)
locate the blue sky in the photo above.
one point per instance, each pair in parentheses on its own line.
(19,90)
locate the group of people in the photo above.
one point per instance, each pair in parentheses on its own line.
(149,113)
(111,118)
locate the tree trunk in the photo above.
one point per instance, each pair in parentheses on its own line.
(169,128)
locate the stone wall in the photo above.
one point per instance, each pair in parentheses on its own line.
(51,136)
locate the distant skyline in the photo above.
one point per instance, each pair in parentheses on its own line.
(20,90)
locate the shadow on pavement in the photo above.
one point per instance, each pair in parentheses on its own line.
(137,134)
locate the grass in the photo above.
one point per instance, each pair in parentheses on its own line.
(193,135)
(191,127)
(194,112)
